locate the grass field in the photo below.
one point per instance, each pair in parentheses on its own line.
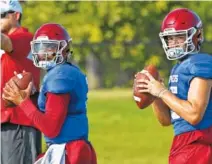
(123,134)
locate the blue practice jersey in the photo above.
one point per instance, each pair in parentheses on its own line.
(67,78)
(195,65)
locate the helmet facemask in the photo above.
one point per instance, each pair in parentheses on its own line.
(48,53)
(180,50)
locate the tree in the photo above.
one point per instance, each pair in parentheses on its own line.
(121,37)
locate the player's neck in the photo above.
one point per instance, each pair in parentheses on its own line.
(13,29)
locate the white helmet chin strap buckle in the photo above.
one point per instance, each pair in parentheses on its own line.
(175,53)
(47,64)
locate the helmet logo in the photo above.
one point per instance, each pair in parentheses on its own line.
(169,30)
(42,38)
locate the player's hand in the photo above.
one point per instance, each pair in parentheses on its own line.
(13,93)
(152,86)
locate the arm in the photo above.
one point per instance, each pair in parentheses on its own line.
(56,108)
(194,108)
(162,112)
(6,43)
(51,121)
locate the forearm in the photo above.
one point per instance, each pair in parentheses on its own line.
(162,112)
(51,121)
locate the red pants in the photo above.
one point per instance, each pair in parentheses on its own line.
(79,152)
(192,148)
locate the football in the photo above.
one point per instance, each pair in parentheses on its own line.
(22,80)
(143,100)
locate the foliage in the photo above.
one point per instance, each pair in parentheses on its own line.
(123,36)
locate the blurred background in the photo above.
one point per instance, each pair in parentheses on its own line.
(112,40)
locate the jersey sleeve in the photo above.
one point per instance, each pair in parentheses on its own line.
(202,69)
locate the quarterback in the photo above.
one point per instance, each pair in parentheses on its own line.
(187,103)
(62,115)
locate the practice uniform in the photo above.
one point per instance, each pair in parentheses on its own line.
(192,144)
(62,116)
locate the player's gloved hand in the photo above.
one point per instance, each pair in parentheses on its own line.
(152,86)
(13,93)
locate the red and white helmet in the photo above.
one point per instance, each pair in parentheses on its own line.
(182,21)
(50,46)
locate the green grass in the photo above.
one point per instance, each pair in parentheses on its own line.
(123,134)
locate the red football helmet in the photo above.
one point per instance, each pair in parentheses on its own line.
(50,46)
(180,22)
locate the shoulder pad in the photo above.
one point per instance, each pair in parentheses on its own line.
(202,66)
(59,84)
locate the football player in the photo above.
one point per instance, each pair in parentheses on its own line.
(187,103)
(62,115)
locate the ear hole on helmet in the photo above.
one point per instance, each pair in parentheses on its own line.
(62,44)
(199,36)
